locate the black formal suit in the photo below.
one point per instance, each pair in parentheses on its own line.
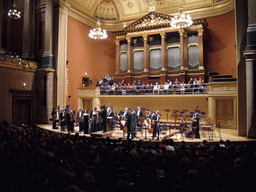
(126,114)
(131,121)
(139,113)
(197,117)
(103,116)
(54,114)
(62,120)
(79,119)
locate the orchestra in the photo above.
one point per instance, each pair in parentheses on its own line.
(105,120)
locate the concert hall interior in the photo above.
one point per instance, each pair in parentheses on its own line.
(182,69)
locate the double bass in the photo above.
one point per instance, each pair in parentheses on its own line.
(192,130)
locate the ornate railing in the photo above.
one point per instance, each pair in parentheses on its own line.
(18,63)
(152,89)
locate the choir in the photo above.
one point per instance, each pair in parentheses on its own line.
(105,119)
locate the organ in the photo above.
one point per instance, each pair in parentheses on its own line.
(150,50)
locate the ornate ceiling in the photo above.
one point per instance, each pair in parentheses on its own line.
(114,13)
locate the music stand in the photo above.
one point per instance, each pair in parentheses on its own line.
(167,110)
(175,115)
(184,110)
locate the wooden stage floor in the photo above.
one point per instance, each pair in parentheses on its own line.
(116,133)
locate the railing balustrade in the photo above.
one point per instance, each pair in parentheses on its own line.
(181,89)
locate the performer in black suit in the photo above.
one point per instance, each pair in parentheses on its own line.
(131,121)
(54,116)
(70,120)
(126,113)
(103,116)
(197,117)
(79,119)
(62,116)
(157,125)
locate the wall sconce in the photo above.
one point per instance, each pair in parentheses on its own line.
(24,84)
(85,73)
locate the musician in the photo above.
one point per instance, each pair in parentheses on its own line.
(154,122)
(79,119)
(94,118)
(103,116)
(197,117)
(120,117)
(108,108)
(72,111)
(70,119)
(86,121)
(62,116)
(126,113)
(54,117)
(131,122)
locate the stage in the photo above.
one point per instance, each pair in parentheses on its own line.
(211,136)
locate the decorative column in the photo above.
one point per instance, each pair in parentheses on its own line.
(163,59)
(117,56)
(60,51)
(1,27)
(28,30)
(212,109)
(201,48)
(129,61)
(183,55)
(47,59)
(164,51)
(250,59)
(181,32)
(146,60)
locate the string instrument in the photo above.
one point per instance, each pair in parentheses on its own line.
(152,126)
(170,135)
(192,129)
(125,129)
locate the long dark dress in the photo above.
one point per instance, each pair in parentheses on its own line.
(131,121)
(86,123)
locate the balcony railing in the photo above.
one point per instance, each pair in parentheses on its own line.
(155,90)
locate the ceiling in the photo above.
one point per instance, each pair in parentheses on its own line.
(114,13)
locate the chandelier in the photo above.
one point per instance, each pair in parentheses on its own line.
(181,20)
(98,33)
(13,13)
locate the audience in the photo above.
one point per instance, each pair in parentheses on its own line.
(109,86)
(33,159)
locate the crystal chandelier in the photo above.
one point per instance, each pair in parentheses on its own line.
(98,33)
(181,20)
(13,13)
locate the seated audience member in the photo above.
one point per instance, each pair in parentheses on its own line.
(156,88)
(183,87)
(166,88)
